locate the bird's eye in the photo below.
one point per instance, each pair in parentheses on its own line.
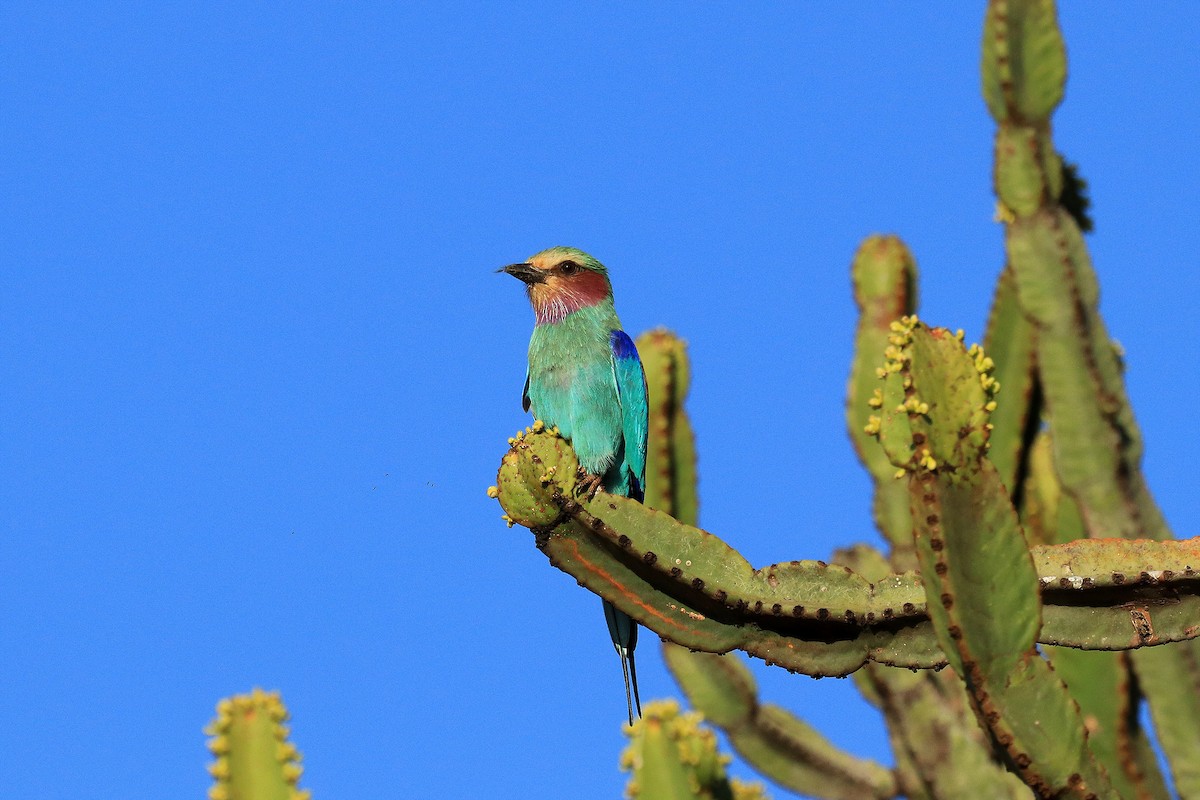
(568,268)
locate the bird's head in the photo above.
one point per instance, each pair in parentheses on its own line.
(560,281)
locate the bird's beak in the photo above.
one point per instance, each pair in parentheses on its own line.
(525,272)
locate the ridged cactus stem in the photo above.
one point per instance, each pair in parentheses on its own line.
(885,280)
(672,755)
(690,587)
(974,559)
(671,449)
(940,751)
(255,760)
(1097,444)
(775,742)
(1011,341)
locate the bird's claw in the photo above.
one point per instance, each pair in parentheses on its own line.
(588,484)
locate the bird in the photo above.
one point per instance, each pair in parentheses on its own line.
(585,378)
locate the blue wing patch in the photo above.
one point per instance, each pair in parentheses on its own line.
(631,391)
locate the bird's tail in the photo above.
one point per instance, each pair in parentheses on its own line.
(624,631)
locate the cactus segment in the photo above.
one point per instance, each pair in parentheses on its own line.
(1028,170)
(1097,448)
(1170,679)
(1024,60)
(974,560)
(885,289)
(1118,562)
(1011,342)
(1099,682)
(771,739)
(1097,445)
(672,755)
(719,686)
(676,610)
(254,757)
(671,450)
(933,731)
(693,589)
(940,752)
(534,460)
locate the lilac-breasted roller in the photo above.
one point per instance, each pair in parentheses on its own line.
(586,379)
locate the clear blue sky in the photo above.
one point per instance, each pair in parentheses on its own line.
(257,370)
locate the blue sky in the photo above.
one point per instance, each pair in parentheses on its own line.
(258,370)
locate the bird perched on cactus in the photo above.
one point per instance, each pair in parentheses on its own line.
(586,379)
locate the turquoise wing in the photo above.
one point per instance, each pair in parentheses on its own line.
(631,392)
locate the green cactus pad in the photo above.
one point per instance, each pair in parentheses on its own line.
(1028,174)
(539,464)
(936,400)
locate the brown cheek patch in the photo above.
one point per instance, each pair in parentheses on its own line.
(588,289)
(578,291)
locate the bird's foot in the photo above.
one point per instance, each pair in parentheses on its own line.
(587,484)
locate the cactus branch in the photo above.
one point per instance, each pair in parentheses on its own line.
(808,616)
(771,739)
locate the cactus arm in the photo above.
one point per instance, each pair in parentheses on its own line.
(940,751)
(661,771)
(1170,678)
(1097,444)
(677,611)
(1011,343)
(975,560)
(672,755)
(692,588)
(884,276)
(254,757)
(1024,59)
(671,454)
(776,743)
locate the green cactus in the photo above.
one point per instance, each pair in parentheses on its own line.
(778,744)
(1026,551)
(255,760)
(674,757)
(671,452)
(974,559)
(884,275)
(810,616)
